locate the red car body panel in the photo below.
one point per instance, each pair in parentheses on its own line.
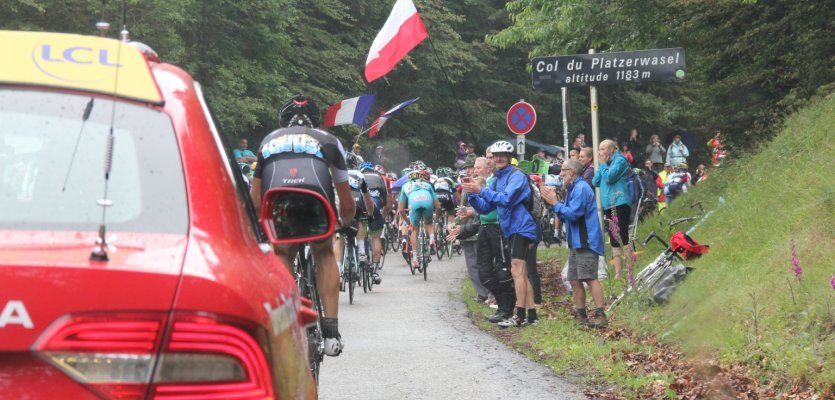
(218,268)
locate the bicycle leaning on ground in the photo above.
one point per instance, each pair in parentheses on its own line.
(652,273)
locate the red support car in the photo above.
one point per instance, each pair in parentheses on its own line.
(132,264)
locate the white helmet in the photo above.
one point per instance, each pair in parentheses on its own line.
(501,147)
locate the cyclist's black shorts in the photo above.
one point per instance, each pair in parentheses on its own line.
(376,220)
(310,173)
(447,200)
(519,247)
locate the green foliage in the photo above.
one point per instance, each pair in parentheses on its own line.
(743,301)
(749,63)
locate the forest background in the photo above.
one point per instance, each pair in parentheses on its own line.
(749,63)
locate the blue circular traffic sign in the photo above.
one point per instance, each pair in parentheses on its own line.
(521,117)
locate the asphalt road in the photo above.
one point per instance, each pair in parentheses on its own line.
(412,339)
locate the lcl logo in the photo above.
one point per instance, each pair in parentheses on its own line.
(75,63)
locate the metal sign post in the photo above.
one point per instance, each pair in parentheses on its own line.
(565,123)
(520,147)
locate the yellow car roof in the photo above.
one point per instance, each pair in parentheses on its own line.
(86,63)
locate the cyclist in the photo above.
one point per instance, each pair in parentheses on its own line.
(445,191)
(379,195)
(300,154)
(419,195)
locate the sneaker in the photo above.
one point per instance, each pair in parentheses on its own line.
(533,323)
(376,279)
(598,320)
(581,319)
(499,316)
(334,346)
(512,321)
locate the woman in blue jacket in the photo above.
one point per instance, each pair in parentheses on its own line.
(612,177)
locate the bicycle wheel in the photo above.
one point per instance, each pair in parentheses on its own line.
(394,237)
(308,289)
(350,268)
(423,248)
(439,242)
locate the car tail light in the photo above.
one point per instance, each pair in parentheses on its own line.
(118,356)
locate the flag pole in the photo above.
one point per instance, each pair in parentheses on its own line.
(455,96)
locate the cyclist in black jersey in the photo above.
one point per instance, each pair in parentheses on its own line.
(379,194)
(299,154)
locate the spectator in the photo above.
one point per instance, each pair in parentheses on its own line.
(676,183)
(377,158)
(572,154)
(585,241)
(662,179)
(718,148)
(585,158)
(493,261)
(612,179)
(656,153)
(242,154)
(677,153)
(579,141)
(700,174)
(649,178)
(625,150)
(469,242)
(353,157)
(635,145)
(460,155)
(509,194)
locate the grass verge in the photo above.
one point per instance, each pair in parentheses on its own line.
(746,323)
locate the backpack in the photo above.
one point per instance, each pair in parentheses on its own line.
(636,188)
(534,204)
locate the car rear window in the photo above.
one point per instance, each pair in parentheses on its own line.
(52,164)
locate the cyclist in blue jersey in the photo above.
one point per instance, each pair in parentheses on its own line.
(419,196)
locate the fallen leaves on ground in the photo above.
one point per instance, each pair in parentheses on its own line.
(694,379)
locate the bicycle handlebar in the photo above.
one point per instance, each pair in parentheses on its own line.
(656,237)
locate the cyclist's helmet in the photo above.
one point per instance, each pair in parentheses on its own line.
(379,169)
(419,175)
(429,170)
(299,110)
(366,166)
(501,146)
(417,165)
(406,171)
(444,172)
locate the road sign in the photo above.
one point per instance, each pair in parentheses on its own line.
(608,68)
(521,117)
(520,146)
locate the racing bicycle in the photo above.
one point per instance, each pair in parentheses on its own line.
(350,262)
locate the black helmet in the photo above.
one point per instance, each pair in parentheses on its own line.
(299,110)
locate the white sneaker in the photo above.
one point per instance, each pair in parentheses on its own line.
(334,346)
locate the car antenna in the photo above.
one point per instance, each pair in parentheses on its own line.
(99,252)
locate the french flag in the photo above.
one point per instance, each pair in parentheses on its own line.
(402,32)
(349,111)
(378,123)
